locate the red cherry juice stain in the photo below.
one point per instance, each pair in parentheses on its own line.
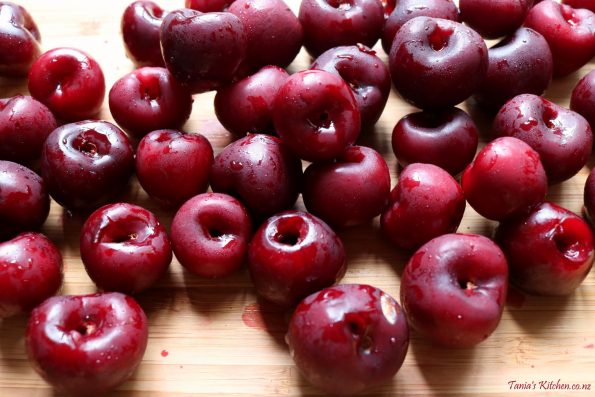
(589,346)
(164,353)
(252,317)
(515,298)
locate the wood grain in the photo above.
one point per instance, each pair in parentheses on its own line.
(214,338)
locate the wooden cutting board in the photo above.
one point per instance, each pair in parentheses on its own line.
(213,338)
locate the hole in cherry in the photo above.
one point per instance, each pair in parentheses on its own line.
(354,327)
(155,12)
(88,147)
(467,285)
(126,237)
(87,327)
(321,121)
(150,93)
(215,233)
(569,15)
(438,39)
(324,120)
(343,5)
(567,242)
(288,238)
(549,117)
(365,345)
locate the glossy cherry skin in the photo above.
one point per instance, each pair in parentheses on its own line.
(519,64)
(389,7)
(582,100)
(86,164)
(124,248)
(426,203)
(87,344)
(453,289)
(568,31)
(210,234)
(549,251)
(24,200)
(562,138)
(246,105)
(406,10)
(208,5)
(366,74)
(292,255)
(203,50)
(24,125)
(333,23)
(425,51)
(589,196)
(30,272)
(19,40)
(588,4)
(69,82)
(505,179)
(273,33)
(350,190)
(348,338)
(493,19)
(446,138)
(173,166)
(316,115)
(140,27)
(261,172)
(149,99)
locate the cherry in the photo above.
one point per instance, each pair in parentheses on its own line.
(549,250)
(562,137)
(505,179)
(246,105)
(217,39)
(366,74)
(273,33)
(69,82)
(30,272)
(568,31)
(261,172)
(316,115)
(426,203)
(149,99)
(453,289)
(349,191)
(140,26)
(582,100)
(210,234)
(292,255)
(24,126)
(519,64)
(493,19)
(19,40)
(348,338)
(446,138)
(409,9)
(173,166)
(86,164)
(83,344)
(24,201)
(333,23)
(437,63)
(124,248)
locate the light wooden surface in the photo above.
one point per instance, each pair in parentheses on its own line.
(214,338)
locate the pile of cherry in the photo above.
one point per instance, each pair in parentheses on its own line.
(345,338)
